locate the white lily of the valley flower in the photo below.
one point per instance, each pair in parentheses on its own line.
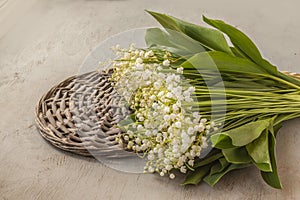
(166,63)
(179,70)
(171,133)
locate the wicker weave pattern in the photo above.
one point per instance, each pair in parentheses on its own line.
(79,114)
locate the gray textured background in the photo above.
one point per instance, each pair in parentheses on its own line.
(43,42)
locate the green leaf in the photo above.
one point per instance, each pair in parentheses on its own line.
(219,61)
(242,135)
(259,152)
(195,177)
(221,141)
(219,166)
(242,42)
(173,41)
(237,52)
(214,178)
(237,155)
(272,178)
(207,160)
(209,38)
(244,46)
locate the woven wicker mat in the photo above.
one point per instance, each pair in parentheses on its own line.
(79,114)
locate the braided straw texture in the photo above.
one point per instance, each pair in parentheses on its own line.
(80,113)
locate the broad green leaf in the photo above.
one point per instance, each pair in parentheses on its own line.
(272,178)
(221,141)
(209,38)
(155,37)
(259,152)
(218,166)
(222,62)
(237,155)
(237,52)
(195,177)
(242,42)
(242,135)
(244,46)
(207,160)
(238,38)
(214,178)
(172,41)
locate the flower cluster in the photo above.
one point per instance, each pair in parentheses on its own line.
(164,128)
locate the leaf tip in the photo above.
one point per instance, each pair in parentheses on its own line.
(152,12)
(148,11)
(204,17)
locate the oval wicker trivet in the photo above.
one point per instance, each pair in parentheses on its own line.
(79,114)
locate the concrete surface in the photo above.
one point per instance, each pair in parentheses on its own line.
(43,42)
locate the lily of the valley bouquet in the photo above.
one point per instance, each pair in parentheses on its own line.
(200,104)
